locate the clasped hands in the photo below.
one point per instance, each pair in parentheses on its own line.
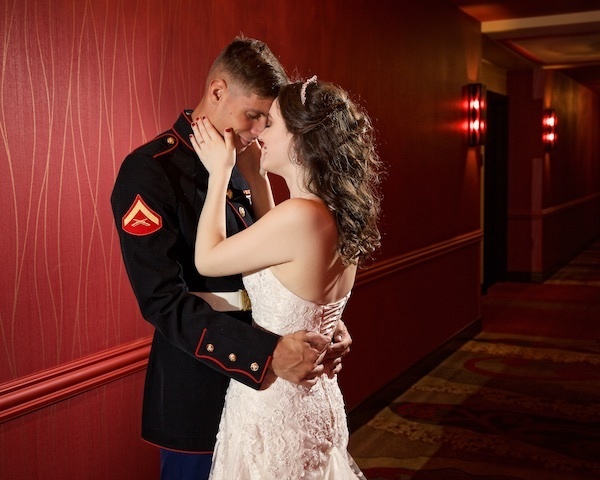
(302,357)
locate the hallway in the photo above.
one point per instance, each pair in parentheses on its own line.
(519,401)
(85,83)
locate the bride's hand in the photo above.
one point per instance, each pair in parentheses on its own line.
(216,152)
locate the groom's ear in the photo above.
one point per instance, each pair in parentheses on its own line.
(216,89)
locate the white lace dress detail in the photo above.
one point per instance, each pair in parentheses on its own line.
(286,432)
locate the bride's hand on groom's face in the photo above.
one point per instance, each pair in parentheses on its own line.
(215,150)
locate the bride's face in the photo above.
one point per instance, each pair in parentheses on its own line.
(276,141)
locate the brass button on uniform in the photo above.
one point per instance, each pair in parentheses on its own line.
(210,347)
(170,140)
(254,367)
(232,357)
(242,211)
(229,194)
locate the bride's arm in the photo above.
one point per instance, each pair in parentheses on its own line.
(218,156)
(273,240)
(248,163)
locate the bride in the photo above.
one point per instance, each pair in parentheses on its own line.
(300,261)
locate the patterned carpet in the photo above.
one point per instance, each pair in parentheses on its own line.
(501,408)
(508,405)
(582,270)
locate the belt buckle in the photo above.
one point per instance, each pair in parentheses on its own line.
(245,303)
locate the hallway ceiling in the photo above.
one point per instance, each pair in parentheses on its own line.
(553,34)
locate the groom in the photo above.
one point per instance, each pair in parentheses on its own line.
(156,201)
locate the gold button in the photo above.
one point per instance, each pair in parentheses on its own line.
(254,367)
(210,347)
(170,140)
(242,211)
(229,194)
(232,357)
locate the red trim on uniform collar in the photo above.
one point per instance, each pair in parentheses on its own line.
(185,139)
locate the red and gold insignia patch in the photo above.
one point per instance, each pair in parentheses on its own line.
(140,219)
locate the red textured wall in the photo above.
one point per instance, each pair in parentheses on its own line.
(83,83)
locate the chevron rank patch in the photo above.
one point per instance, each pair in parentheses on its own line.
(140,219)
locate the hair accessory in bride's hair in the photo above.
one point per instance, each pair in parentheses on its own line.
(312,79)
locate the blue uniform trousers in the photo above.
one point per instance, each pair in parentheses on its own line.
(184,466)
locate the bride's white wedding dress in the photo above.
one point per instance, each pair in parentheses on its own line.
(286,432)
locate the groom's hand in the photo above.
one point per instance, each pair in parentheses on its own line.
(297,357)
(339,347)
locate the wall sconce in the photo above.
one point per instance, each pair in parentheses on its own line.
(549,122)
(475,108)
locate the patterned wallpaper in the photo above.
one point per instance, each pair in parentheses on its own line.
(81,84)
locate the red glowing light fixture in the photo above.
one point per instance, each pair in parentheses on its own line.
(549,122)
(475,108)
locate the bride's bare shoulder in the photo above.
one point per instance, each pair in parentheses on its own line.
(304,209)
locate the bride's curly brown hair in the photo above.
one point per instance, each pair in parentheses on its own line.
(334,139)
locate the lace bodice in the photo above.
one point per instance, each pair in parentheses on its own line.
(280,311)
(286,431)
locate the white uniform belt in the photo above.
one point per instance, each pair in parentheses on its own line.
(226,301)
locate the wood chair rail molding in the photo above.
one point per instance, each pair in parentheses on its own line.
(44,388)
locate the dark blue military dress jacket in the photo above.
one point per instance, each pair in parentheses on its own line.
(156,201)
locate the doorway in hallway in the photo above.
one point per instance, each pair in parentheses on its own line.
(495,201)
